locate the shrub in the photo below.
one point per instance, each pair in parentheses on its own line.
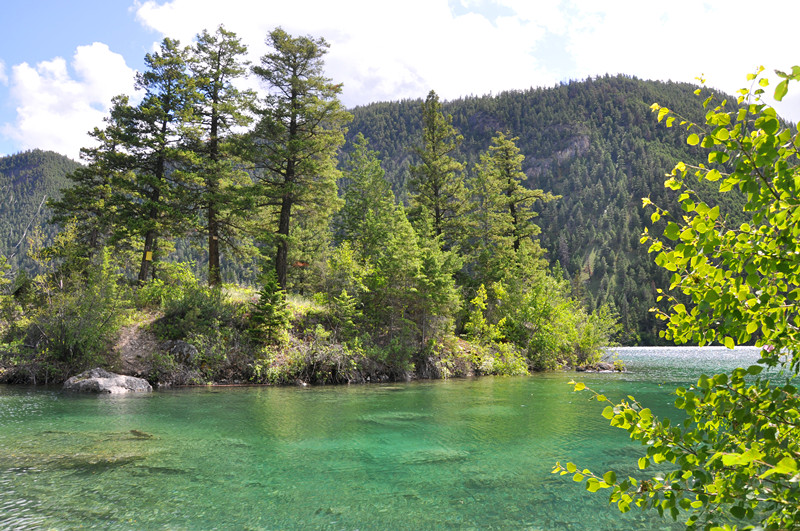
(269,316)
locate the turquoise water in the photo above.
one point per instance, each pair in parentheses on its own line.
(460,454)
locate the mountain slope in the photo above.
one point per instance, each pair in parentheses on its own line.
(27,181)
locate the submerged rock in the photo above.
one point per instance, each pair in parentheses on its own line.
(101,381)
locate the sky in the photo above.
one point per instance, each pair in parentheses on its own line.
(61,62)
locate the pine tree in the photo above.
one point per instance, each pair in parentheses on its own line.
(436,185)
(150,184)
(216,64)
(297,137)
(270,317)
(503,213)
(369,203)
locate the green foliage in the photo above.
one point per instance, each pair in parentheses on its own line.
(295,141)
(477,327)
(174,278)
(192,309)
(345,314)
(735,456)
(538,319)
(436,185)
(318,360)
(592,142)
(269,316)
(73,313)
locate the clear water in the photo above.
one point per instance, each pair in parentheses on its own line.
(461,454)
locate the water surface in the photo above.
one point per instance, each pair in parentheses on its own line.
(460,454)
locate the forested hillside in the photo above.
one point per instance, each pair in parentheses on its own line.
(27,181)
(595,143)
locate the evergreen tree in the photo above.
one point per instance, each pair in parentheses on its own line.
(216,64)
(269,318)
(436,185)
(150,186)
(299,132)
(503,213)
(369,203)
(87,204)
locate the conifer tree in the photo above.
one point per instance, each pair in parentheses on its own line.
(369,203)
(270,317)
(503,212)
(150,188)
(216,64)
(436,184)
(87,204)
(298,134)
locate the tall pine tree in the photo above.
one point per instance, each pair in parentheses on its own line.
(217,62)
(296,139)
(436,184)
(154,201)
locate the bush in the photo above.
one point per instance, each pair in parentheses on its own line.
(196,310)
(76,319)
(174,279)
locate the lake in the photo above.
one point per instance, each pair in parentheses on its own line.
(458,454)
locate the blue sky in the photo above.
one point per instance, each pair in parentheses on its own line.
(62,61)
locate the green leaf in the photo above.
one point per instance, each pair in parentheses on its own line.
(672,231)
(728,342)
(580,386)
(754,369)
(752,326)
(781,90)
(693,139)
(610,477)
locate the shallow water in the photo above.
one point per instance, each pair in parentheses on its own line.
(459,454)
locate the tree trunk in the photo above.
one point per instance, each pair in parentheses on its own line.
(214,276)
(212,185)
(147,255)
(282,254)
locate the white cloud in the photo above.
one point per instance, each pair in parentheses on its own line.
(389,51)
(379,50)
(56,110)
(3,76)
